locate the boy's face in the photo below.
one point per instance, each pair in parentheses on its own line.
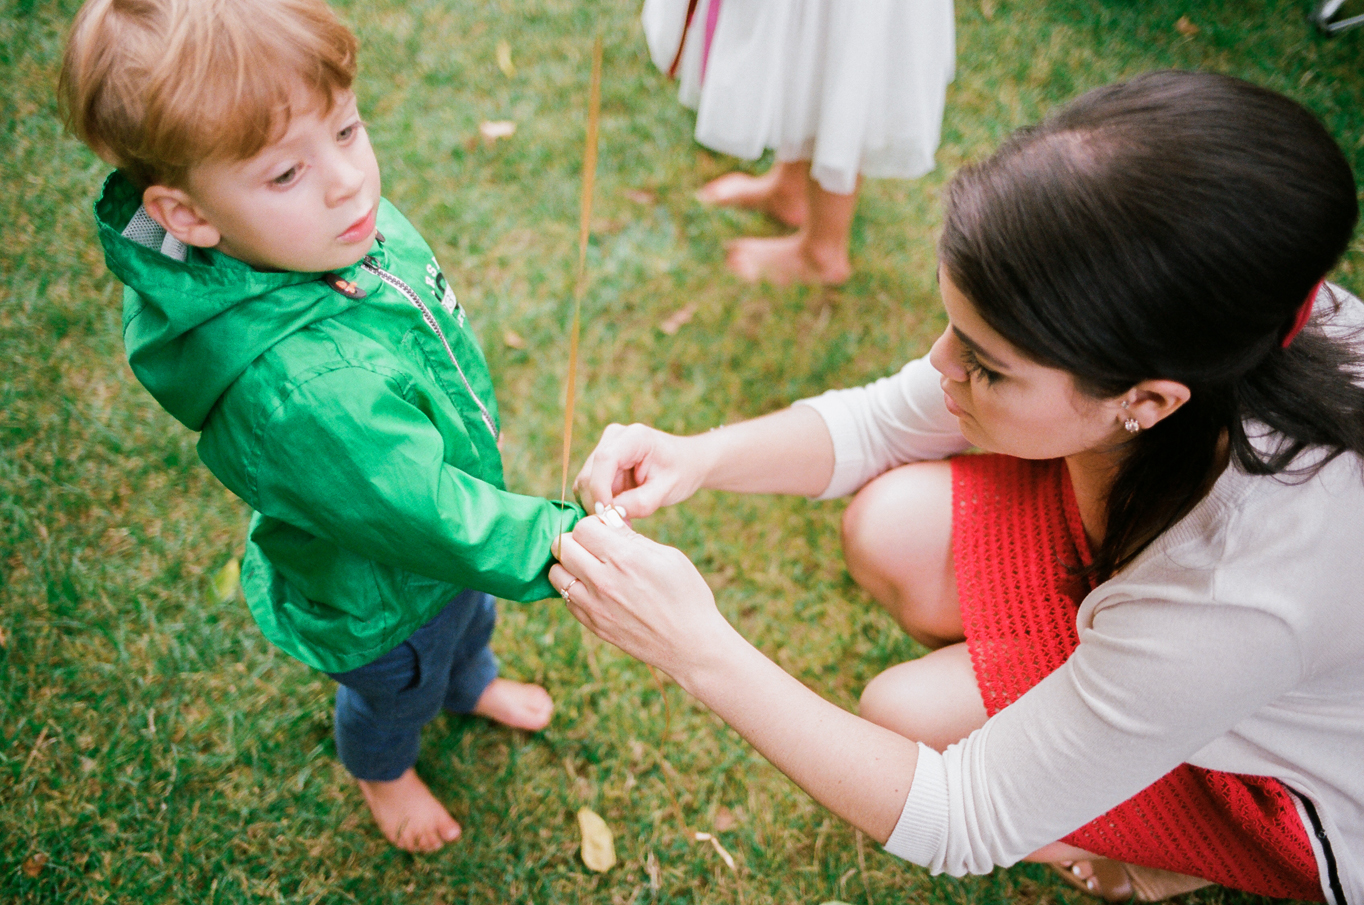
(306,202)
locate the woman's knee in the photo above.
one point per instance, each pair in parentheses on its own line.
(934,700)
(897,539)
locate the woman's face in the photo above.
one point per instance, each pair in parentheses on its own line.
(1007,403)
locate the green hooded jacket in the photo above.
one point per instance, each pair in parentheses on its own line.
(354,412)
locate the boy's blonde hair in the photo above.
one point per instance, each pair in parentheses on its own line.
(157,86)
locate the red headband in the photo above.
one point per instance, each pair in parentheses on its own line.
(1304,314)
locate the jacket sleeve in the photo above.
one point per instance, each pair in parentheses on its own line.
(350,457)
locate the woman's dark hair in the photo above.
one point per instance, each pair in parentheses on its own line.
(1170,227)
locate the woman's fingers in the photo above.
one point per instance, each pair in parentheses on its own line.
(645,598)
(625,463)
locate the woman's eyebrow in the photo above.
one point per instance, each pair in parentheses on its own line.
(985,357)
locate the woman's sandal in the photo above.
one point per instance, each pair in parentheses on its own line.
(1115,881)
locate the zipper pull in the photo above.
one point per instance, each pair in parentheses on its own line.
(344,286)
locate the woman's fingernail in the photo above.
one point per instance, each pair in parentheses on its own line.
(599,507)
(612,517)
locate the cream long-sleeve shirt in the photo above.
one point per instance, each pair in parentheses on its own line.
(1234,642)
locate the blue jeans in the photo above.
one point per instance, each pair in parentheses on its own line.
(382,706)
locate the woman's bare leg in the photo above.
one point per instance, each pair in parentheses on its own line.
(897,542)
(933,699)
(816,253)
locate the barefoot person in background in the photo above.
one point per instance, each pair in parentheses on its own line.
(1146,601)
(839,89)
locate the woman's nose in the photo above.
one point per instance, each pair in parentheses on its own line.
(944,359)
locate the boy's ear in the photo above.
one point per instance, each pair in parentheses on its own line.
(178,215)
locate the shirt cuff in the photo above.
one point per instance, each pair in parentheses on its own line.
(918,836)
(848,460)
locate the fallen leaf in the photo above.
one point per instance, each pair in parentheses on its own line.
(677,319)
(715,844)
(504,61)
(655,873)
(987,9)
(4,638)
(34,864)
(493,129)
(1186,27)
(641,196)
(833,902)
(599,850)
(725,819)
(513,339)
(226,581)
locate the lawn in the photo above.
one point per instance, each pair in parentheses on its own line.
(154,748)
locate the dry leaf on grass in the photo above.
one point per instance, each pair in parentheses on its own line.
(641,196)
(1185,27)
(599,851)
(513,340)
(226,581)
(715,844)
(677,319)
(654,871)
(34,864)
(725,819)
(987,9)
(493,129)
(504,61)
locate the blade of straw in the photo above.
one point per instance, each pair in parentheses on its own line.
(580,285)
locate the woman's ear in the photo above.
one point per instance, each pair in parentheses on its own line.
(1152,401)
(178,215)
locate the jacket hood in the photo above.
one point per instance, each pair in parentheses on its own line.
(193,318)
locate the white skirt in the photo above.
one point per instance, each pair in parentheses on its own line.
(853,86)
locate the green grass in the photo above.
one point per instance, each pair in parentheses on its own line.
(155,749)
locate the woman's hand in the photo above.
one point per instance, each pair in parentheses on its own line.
(649,601)
(639,469)
(645,598)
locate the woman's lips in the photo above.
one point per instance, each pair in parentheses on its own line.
(952,406)
(361,229)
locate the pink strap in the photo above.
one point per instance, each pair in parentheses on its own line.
(712,16)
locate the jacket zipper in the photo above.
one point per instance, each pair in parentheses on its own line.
(370,265)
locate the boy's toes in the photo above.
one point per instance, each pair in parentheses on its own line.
(408,814)
(519,705)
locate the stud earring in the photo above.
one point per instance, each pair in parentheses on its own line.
(1131,425)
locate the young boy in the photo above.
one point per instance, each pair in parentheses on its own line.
(278,305)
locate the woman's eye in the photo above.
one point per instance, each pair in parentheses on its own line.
(974,369)
(349,132)
(286,177)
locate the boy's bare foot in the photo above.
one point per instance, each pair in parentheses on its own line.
(408,814)
(515,704)
(786,259)
(783,199)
